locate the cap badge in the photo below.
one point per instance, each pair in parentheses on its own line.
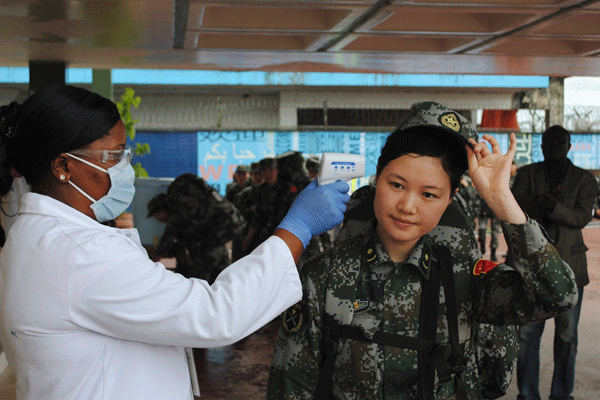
(450,120)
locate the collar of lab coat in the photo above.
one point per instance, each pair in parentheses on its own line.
(35,203)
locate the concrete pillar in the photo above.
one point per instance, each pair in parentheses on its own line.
(556,103)
(45,73)
(288,115)
(102,83)
(41,74)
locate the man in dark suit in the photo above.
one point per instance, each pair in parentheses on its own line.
(560,196)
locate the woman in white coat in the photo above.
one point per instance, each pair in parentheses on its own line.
(85,314)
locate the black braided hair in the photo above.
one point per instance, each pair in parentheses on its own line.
(54,120)
(9,117)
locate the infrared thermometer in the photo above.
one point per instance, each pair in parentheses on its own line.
(340,166)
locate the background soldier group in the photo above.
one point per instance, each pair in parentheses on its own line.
(254,205)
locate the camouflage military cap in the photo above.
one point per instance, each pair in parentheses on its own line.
(156,203)
(435,115)
(267,163)
(242,169)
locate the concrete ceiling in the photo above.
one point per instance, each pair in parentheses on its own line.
(505,37)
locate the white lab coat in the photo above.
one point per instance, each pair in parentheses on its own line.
(87,315)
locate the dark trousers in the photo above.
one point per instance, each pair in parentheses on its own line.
(565,350)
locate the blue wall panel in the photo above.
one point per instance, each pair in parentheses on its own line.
(171,153)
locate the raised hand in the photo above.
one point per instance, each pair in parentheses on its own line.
(490,173)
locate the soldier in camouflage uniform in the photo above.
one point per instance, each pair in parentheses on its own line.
(496,347)
(291,168)
(312,166)
(199,224)
(485,215)
(469,195)
(393,261)
(275,196)
(246,201)
(240,181)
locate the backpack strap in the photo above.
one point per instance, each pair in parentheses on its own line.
(341,313)
(457,360)
(428,321)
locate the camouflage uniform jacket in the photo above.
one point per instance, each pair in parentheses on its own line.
(496,346)
(233,189)
(539,287)
(246,201)
(272,204)
(200,223)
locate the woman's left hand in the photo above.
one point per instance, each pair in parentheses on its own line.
(490,170)
(490,173)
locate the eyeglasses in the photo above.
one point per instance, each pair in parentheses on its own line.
(106,156)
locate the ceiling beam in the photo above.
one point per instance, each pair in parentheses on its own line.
(485,44)
(376,8)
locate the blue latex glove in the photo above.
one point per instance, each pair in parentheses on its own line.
(317,209)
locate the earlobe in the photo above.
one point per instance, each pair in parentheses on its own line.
(60,168)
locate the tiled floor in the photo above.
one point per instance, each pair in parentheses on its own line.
(240,371)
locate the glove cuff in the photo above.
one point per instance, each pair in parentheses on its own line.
(298,229)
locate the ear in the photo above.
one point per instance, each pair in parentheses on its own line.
(60,168)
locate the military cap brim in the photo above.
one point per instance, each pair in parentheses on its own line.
(434,115)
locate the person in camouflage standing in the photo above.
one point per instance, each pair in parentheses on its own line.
(468,193)
(275,196)
(200,222)
(496,347)
(312,166)
(240,181)
(291,168)
(486,214)
(246,201)
(418,173)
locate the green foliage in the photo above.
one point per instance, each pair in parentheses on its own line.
(128,100)
(140,172)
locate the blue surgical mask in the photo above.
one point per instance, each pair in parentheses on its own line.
(120,194)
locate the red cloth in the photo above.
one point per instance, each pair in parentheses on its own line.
(505,119)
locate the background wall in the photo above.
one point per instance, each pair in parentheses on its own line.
(214,155)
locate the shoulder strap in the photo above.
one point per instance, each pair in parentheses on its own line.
(428,320)
(458,360)
(336,313)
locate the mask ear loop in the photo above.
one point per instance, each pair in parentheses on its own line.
(90,198)
(82,192)
(88,163)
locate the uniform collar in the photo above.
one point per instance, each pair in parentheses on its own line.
(375,253)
